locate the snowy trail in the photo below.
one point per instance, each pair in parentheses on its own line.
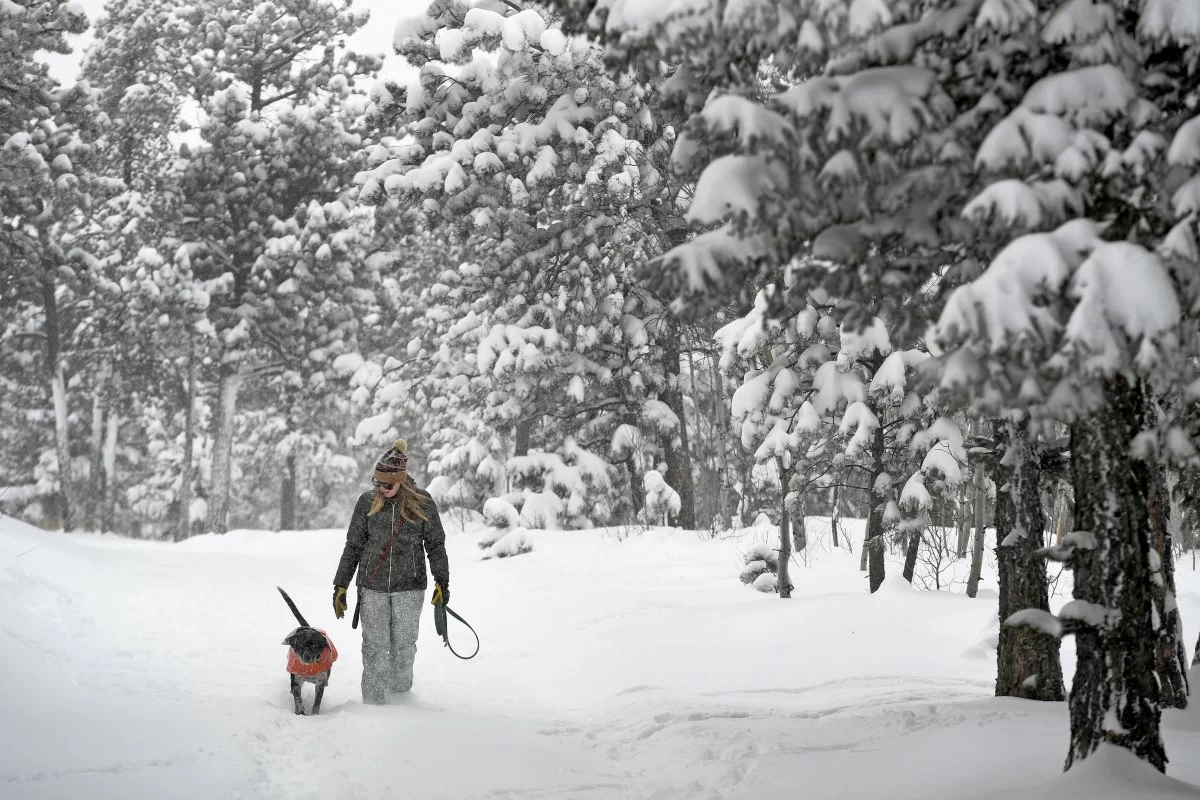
(634,669)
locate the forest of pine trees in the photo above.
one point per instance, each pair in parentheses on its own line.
(606,262)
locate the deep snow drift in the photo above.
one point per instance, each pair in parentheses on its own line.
(613,666)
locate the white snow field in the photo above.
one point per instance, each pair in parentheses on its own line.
(612,667)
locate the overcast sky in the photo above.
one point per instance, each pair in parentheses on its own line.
(374,37)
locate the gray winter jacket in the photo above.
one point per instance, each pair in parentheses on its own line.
(403,568)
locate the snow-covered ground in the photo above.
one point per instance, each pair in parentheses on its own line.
(613,666)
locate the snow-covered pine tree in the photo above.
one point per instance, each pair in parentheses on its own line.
(314,289)
(1080,320)
(276,132)
(547,174)
(46,191)
(831,405)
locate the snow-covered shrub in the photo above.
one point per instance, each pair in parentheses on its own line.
(766,583)
(502,517)
(512,543)
(662,502)
(499,513)
(761,566)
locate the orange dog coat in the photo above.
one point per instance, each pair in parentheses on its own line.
(323,664)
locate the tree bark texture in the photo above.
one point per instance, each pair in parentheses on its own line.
(911,550)
(834,515)
(224,424)
(964,522)
(57,372)
(875,542)
(637,498)
(108,513)
(96,479)
(675,444)
(1028,664)
(287,495)
(1170,656)
(785,537)
(1114,695)
(980,497)
(183,525)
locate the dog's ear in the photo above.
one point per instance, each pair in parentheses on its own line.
(288,639)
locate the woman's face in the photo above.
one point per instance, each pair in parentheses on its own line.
(389,492)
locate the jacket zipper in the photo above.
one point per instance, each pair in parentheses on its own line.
(389,586)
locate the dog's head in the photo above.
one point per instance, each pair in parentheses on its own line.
(308,643)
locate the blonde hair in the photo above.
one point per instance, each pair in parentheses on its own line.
(410,502)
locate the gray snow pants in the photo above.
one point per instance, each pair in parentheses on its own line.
(389,642)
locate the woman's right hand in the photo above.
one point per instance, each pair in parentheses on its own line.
(339,601)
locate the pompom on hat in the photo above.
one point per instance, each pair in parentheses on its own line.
(392,466)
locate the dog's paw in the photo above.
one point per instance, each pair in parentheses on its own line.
(299,712)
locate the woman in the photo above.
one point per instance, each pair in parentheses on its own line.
(395,527)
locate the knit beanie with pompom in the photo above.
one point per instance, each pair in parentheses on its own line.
(392,466)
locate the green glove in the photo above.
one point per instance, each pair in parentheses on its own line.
(339,601)
(441,596)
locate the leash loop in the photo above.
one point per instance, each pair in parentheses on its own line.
(439,622)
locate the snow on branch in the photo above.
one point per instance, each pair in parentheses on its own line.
(1087,97)
(752,123)
(733,184)
(892,104)
(1005,307)
(1069,550)
(1080,614)
(1185,150)
(1170,21)
(1126,308)
(1038,620)
(703,261)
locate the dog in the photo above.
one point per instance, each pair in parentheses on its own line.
(310,658)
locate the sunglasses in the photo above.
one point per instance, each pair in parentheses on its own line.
(378,484)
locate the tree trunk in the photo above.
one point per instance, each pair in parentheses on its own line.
(1170,656)
(224,426)
(675,444)
(964,522)
(1027,660)
(911,551)
(183,526)
(784,582)
(874,545)
(1114,696)
(833,519)
(108,491)
(980,483)
(799,534)
(637,496)
(287,495)
(57,372)
(96,482)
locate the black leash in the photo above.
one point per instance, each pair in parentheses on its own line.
(439,623)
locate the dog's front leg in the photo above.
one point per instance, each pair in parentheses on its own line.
(320,691)
(296,695)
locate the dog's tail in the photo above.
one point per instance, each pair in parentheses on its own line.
(292,606)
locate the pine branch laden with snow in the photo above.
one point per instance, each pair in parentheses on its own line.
(760,568)
(1054,311)
(876,144)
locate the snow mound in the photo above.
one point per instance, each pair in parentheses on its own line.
(1111,773)
(513,543)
